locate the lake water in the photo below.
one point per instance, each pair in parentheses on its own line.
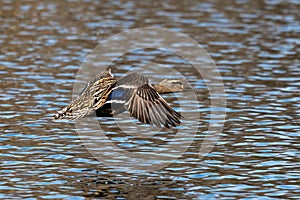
(256,47)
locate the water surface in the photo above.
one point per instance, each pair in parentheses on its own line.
(256,48)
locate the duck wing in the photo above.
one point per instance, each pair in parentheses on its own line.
(143,102)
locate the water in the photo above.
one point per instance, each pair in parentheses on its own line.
(255,46)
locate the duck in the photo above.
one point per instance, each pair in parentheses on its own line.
(107,96)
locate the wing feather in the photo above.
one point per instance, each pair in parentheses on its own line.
(144,103)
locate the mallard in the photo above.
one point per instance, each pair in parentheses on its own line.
(107,96)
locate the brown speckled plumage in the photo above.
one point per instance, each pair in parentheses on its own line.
(107,96)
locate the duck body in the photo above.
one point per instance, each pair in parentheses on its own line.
(107,96)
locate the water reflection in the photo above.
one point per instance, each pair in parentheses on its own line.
(256,47)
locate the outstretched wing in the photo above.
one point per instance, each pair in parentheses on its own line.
(143,102)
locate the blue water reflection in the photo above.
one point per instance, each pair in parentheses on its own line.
(254,44)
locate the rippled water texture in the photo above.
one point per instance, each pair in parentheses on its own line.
(256,47)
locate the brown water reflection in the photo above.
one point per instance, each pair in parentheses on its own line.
(255,45)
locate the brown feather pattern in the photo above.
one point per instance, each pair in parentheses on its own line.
(138,96)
